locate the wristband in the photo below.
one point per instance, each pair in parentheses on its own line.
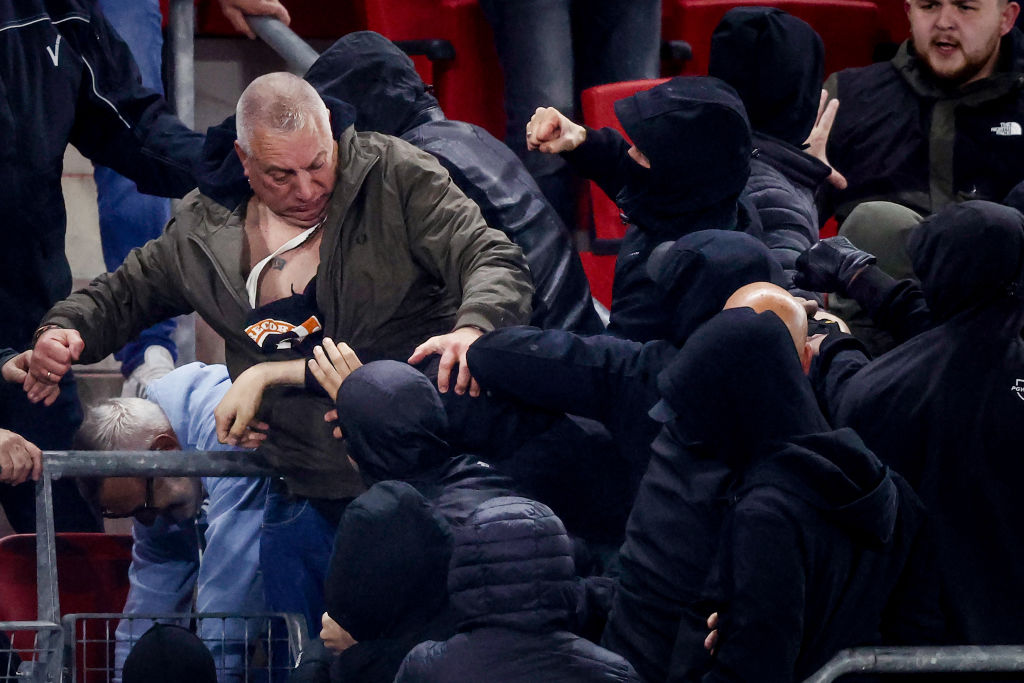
(39,332)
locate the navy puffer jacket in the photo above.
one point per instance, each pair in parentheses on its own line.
(512,583)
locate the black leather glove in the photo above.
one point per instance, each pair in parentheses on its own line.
(830,265)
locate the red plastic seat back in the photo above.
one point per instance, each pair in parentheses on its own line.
(850,29)
(470,87)
(92,575)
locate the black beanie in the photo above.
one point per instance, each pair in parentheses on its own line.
(169,654)
(776,63)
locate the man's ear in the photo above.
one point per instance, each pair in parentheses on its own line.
(166,441)
(1009,17)
(242,156)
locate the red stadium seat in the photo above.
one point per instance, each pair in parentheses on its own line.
(850,29)
(92,571)
(468,87)
(599,111)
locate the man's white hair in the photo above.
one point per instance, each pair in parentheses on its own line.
(122,424)
(278,102)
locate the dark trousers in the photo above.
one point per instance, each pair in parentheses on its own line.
(51,429)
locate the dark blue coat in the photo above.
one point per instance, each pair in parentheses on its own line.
(512,584)
(68,77)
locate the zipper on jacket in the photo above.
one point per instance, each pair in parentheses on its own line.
(243,304)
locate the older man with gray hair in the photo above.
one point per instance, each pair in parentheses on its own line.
(165,569)
(361,237)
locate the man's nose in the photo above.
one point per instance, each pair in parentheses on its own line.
(947,16)
(305,188)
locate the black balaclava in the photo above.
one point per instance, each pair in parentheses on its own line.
(393,420)
(397,581)
(695,133)
(776,63)
(698,272)
(737,385)
(368,71)
(968,254)
(169,654)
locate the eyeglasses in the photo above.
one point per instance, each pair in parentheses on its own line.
(146,506)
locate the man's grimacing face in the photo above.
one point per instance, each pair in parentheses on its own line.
(959,39)
(293,173)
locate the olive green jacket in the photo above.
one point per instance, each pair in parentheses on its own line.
(404,256)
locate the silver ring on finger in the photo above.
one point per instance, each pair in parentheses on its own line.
(48,374)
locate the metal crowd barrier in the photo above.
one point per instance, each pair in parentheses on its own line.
(50,660)
(918,660)
(247,647)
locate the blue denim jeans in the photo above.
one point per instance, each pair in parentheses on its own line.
(129,219)
(550,50)
(295,549)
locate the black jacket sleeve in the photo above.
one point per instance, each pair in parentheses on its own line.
(898,307)
(602,158)
(839,357)
(559,371)
(125,126)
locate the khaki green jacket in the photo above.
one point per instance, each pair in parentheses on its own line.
(404,256)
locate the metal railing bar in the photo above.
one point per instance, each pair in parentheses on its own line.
(285,42)
(951,659)
(154,464)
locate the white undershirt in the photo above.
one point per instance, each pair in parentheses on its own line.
(253,281)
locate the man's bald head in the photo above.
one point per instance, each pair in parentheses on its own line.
(278,102)
(764,296)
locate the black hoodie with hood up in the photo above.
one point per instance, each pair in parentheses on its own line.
(805,523)
(395,427)
(369,72)
(694,132)
(776,64)
(945,408)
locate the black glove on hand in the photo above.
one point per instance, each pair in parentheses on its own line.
(830,265)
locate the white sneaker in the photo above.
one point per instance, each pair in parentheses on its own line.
(156,362)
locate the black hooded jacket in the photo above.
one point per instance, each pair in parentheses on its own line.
(695,133)
(776,64)
(369,72)
(614,380)
(393,541)
(68,77)
(395,427)
(944,410)
(513,587)
(734,401)
(386,585)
